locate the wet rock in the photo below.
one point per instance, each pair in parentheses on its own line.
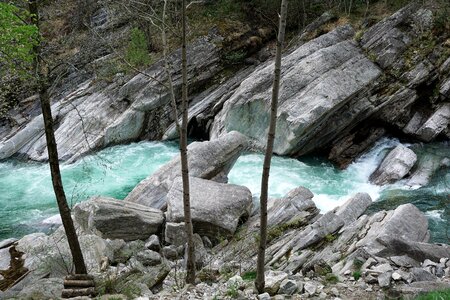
(114,219)
(208,160)
(394,166)
(216,208)
(8,242)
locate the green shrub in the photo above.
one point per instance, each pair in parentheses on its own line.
(137,54)
(356,275)
(249,276)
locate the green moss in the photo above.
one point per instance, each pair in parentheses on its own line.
(249,276)
(356,275)
(331,278)
(278,230)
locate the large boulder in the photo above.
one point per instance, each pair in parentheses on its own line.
(216,208)
(296,206)
(406,222)
(394,166)
(321,81)
(115,219)
(208,160)
(435,124)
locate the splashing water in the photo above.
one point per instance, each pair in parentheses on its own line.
(26,195)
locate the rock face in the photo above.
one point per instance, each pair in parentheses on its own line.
(395,166)
(318,79)
(115,219)
(208,160)
(216,208)
(94,115)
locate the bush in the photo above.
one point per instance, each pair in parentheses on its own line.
(137,54)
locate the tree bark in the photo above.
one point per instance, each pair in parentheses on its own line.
(64,210)
(190,259)
(260,279)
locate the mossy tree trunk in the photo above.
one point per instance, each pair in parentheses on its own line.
(260,280)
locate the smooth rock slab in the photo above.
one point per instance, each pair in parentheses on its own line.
(394,166)
(216,208)
(115,219)
(208,160)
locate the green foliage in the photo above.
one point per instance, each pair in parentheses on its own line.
(137,53)
(331,278)
(436,295)
(277,231)
(232,291)
(17,39)
(356,275)
(249,276)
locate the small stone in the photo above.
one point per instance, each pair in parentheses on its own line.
(383,268)
(235,282)
(384,279)
(396,276)
(278,297)
(348,272)
(310,288)
(149,258)
(170,252)
(369,289)
(273,281)
(264,296)
(288,287)
(153,243)
(334,291)
(369,263)
(323,295)
(440,272)
(427,263)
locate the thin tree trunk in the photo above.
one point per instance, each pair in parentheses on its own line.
(260,280)
(64,210)
(190,260)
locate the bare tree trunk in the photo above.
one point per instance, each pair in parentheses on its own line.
(260,280)
(64,210)
(190,259)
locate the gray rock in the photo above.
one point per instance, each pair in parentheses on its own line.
(8,242)
(273,280)
(116,113)
(354,207)
(288,287)
(264,296)
(422,287)
(310,288)
(149,258)
(383,268)
(201,255)
(384,279)
(171,252)
(296,205)
(216,208)
(114,219)
(394,166)
(404,261)
(435,124)
(396,276)
(46,288)
(420,274)
(175,234)
(5,259)
(153,243)
(318,80)
(208,160)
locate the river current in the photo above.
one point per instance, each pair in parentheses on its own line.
(27,199)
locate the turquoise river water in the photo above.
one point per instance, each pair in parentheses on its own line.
(27,199)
